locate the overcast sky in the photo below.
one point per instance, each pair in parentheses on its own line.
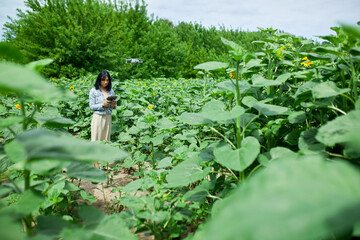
(305,18)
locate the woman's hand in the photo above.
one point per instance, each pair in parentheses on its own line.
(113,104)
(106,103)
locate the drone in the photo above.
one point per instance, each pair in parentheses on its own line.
(133,60)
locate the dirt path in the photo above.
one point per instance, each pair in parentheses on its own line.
(105,195)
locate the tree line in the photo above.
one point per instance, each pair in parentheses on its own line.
(89,36)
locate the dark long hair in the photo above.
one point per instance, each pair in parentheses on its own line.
(103,75)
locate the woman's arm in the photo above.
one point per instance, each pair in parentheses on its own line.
(92,102)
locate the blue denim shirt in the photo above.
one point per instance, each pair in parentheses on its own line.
(96,99)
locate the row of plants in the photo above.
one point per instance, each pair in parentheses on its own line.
(270,151)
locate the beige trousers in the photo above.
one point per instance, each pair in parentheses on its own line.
(100,127)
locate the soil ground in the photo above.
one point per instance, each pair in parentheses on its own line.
(104,194)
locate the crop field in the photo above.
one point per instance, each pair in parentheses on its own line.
(263,146)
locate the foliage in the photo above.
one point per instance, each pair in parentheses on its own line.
(261,146)
(89,36)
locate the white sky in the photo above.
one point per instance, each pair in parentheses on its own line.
(306,18)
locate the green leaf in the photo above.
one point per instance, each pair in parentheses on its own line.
(283,77)
(165,123)
(11,229)
(353,30)
(186,172)
(355,51)
(232,45)
(297,117)
(38,65)
(10,121)
(193,119)
(106,229)
(55,122)
(199,193)
(269,109)
(46,167)
(131,201)
(331,38)
(158,140)
(29,202)
(27,82)
(87,196)
(133,186)
(284,202)
(15,152)
(45,144)
(229,86)
(91,216)
(86,171)
(327,89)
(215,111)
(260,81)
(52,225)
(236,51)
(307,141)
(238,159)
(164,163)
(211,66)
(287,63)
(330,50)
(251,64)
(249,101)
(342,130)
(8,52)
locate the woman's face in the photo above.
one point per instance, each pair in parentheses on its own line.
(104,82)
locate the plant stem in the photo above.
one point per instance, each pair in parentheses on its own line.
(238,100)
(225,138)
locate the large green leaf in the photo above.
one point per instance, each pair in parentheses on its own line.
(297,117)
(45,144)
(52,225)
(11,229)
(133,186)
(86,171)
(251,64)
(55,122)
(230,44)
(260,81)
(211,66)
(342,130)
(165,123)
(186,172)
(28,203)
(269,109)
(330,50)
(38,65)
(244,86)
(215,111)
(9,52)
(106,229)
(238,159)
(307,141)
(353,30)
(327,89)
(10,121)
(304,198)
(193,119)
(91,216)
(20,80)
(283,77)
(236,51)
(199,193)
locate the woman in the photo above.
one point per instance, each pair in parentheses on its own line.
(101,119)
